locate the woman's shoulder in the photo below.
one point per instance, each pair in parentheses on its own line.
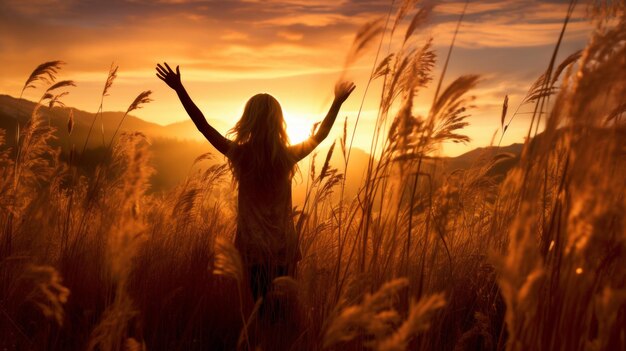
(302,149)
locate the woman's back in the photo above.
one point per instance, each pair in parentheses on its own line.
(265,229)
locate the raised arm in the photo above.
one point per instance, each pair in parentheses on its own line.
(172,79)
(342,92)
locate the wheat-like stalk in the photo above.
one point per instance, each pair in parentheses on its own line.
(142,98)
(44,73)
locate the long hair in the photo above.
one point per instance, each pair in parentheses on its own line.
(262,142)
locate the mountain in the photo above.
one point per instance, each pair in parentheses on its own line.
(483,155)
(187,130)
(14,110)
(176,146)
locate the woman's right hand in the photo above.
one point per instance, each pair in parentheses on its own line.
(343,90)
(171,78)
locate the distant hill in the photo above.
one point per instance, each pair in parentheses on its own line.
(472,157)
(483,155)
(176,146)
(173,155)
(187,130)
(13,111)
(172,158)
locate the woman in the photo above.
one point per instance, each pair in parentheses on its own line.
(263,163)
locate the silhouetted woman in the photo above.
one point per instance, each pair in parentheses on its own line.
(263,163)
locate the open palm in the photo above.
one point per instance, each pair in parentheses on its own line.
(171,78)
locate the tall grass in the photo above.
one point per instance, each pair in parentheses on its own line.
(533,259)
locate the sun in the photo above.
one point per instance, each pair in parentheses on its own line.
(298,128)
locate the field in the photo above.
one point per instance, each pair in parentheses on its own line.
(514,252)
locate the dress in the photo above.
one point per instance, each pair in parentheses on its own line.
(265,227)
(266,233)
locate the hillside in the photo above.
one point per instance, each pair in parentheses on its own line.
(187,130)
(177,145)
(173,155)
(12,109)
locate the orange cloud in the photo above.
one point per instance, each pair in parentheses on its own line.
(229,50)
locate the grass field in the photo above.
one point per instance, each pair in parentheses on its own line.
(530,259)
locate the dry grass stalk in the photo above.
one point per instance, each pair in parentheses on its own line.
(142,98)
(418,20)
(48,292)
(44,73)
(364,37)
(227,261)
(417,321)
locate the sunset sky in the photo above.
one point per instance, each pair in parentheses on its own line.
(292,49)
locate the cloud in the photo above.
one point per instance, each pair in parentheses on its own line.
(307,19)
(223,45)
(244,34)
(500,33)
(290,35)
(234,36)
